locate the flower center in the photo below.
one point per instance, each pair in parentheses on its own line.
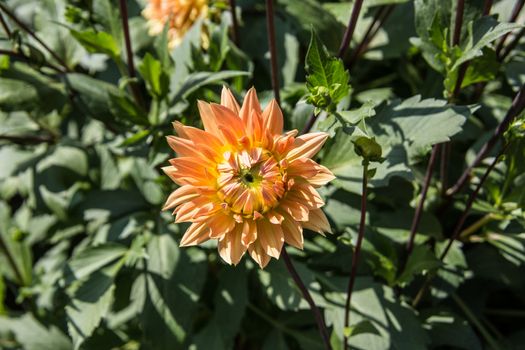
(250,181)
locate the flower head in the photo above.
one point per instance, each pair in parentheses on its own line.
(180,14)
(244,182)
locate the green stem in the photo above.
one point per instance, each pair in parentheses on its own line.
(474,320)
(477,225)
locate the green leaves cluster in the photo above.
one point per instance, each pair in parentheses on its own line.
(327,79)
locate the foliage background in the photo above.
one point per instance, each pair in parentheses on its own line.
(89,260)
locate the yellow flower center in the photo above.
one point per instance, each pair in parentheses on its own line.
(250,181)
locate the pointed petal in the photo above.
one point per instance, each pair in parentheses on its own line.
(273,118)
(208,118)
(306,146)
(318,222)
(220,224)
(251,102)
(323,177)
(196,234)
(293,232)
(230,247)
(249,232)
(229,101)
(180,195)
(270,237)
(258,254)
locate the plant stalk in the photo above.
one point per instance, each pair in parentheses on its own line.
(421,204)
(306,294)
(512,45)
(469,204)
(379,18)
(357,252)
(235,23)
(458,22)
(11,15)
(518,104)
(349,32)
(458,227)
(515,13)
(129,53)
(270,27)
(487,5)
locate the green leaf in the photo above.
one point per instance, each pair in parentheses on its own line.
(198,80)
(93,259)
(91,302)
(18,249)
(102,101)
(23,88)
(327,79)
(374,303)
(480,34)
(170,288)
(405,130)
(98,42)
(360,328)
(34,335)
(281,289)
(447,329)
(483,68)
(422,259)
(157,80)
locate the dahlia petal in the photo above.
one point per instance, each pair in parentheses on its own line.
(220,224)
(180,195)
(303,167)
(306,146)
(227,119)
(323,177)
(249,232)
(305,193)
(230,246)
(293,232)
(270,237)
(228,100)
(273,118)
(297,210)
(208,118)
(186,148)
(274,217)
(258,254)
(318,222)
(199,137)
(251,103)
(196,234)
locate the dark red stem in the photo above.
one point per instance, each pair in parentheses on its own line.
(235,23)
(349,32)
(487,5)
(129,52)
(419,208)
(8,12)
(515,13)
(357,252)
(458,23)
(518,104)
(270,27)
(306,294)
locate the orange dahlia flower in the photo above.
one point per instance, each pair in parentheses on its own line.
(181,14)
(244,182)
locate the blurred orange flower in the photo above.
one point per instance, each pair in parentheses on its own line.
(181,14)
(245,183)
